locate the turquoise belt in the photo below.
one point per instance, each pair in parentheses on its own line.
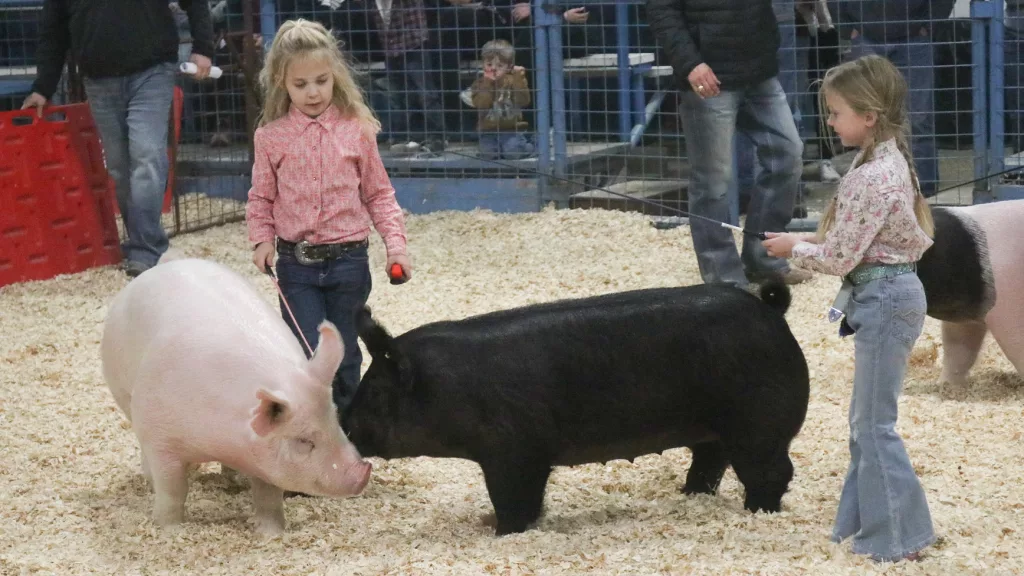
(863,274)
(867,272)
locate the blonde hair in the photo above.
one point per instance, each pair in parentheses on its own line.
(305,39)
(873,84)
(499,49)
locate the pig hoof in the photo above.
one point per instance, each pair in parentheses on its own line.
(169,522)
(270,527)
(489,520)
(765,504)
(699,489)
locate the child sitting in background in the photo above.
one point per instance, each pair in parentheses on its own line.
(500,94)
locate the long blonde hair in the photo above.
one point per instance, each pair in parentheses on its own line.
(304,39)
(873,84)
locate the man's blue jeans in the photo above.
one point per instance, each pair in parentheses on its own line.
(1013,64)
(763,113)
(915,59)
(132,115)
(745,157)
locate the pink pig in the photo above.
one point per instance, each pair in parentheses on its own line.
(206,370)
(972,278)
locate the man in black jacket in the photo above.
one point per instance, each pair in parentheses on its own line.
(127,52)
(724,54)
(901,30)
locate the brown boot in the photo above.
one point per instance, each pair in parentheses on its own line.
(796,276)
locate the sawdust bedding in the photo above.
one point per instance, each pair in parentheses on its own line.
(74,501)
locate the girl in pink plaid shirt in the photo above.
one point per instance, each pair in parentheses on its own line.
(318,182)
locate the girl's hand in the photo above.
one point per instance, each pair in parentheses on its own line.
(403,261)
(519,70)
(263,256)
(780,245)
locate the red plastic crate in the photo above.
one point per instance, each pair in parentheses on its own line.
(174,134)
(56,211)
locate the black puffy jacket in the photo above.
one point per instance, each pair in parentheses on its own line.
(114,37)
(738,39)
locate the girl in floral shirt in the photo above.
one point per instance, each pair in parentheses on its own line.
(318,183)
(875,230)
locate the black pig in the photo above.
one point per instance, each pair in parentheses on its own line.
(709,367)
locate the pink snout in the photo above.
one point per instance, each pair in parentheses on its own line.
(363,476)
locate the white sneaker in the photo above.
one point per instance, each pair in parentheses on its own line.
(827,172)
(405,148)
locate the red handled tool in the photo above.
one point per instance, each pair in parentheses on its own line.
(397,275)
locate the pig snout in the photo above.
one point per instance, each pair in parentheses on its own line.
(348,475)
(364,480)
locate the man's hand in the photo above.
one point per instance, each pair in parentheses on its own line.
(703,81)
(35,100)
(520,11)
(576,15)
(202,63)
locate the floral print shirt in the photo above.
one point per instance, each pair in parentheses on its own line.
(875,220)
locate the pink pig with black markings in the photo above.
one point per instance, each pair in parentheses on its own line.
(973,278)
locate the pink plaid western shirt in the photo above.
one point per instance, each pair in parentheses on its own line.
(321,180)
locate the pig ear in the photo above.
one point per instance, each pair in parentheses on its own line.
(377,339)
(272,410)
(329,354)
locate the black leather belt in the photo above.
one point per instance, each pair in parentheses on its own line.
(307,253)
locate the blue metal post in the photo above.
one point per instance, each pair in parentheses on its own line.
(996,105)
(268,22)
(553,24)
(980,13)
(542,101)
(622,38)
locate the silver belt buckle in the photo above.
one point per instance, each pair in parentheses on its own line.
(300,254)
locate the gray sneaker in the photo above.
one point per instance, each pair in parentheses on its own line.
(827,172)
(132,268)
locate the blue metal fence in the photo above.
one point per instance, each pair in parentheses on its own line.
(603,118)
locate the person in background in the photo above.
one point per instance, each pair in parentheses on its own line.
(1013,62)
(500,94)
(901,30)
(127,52)
(726,56)
(412,73)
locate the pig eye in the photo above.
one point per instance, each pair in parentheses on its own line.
(307,445)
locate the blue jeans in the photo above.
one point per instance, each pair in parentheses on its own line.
(915,59)
(505,145)
(413,86)
(763,113)
(333,290)
(1013,61)
(787,54)
(882,504)
(132,115)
